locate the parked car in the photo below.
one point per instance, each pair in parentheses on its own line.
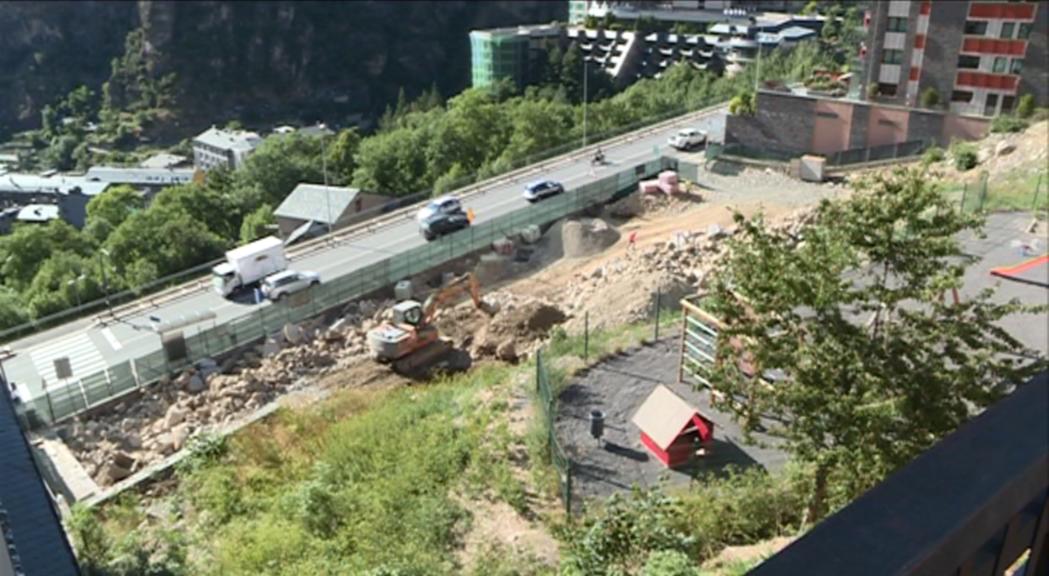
(441,223)
(281,284)
(688,138)
(544,188)
(442,205)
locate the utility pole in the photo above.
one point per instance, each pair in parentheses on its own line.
(584,100)
(105,281)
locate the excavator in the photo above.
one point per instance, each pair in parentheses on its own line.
(409,341)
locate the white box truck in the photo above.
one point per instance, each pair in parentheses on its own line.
(249,264)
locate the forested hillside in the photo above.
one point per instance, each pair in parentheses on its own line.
(213,61)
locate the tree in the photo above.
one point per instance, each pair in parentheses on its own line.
(930,98)
(879,363)
(256,225)
(1025,106)
(108,210)
(57,284)
(282,162)
(341,153)
(12,309)
(207,204)
(59,155)
(24,250)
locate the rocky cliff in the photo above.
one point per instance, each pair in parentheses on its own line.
(248,60)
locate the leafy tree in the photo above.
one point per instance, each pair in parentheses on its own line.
(24,250)
(12,310)
(1025,107)
(930,98)
(256,225)
(90,540)
(282,162)
(108,210)
(879,363)
(59,155)
(57,284)
(207,204)
(341,152)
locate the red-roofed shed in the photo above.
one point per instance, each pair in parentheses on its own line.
(670,428)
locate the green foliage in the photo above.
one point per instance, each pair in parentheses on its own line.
(742,104)
(90,540)
(863,395)
(256,225)
(933,155)
(99,555)
(341,152)
(1008,123)
(669,563)
(282,162)
(24,251)
(107,211)
(964,155)
(12,311)
(501,560)
(930,98)
(1025,106)
(202,450)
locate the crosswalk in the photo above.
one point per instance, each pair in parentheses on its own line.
(84,358)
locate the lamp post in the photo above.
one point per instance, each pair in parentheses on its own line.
(105,280)
(584,99)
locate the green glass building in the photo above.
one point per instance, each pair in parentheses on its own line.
(498,54)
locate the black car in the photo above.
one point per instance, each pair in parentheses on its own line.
(443,223)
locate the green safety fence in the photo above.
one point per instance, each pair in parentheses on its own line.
(548,401)
(76,396)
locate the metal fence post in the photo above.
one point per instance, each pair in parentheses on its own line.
(586,336)
(659,297)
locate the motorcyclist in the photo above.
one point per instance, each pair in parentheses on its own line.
(599,157)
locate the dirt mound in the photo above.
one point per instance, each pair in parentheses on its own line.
(618,302)
(517,330)
(587,237)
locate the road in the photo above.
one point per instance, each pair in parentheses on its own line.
(92,347)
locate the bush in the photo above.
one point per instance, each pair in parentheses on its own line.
(932,156)
(1025,107)
(930,98)
(1008,123)
(742,104)
(669,563)
(964,155)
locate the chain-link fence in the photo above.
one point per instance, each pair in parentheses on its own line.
(548,402)
(78,395)
(1018,193)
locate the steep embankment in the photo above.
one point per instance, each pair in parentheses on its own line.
(230,59)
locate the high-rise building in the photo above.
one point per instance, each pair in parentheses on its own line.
(978,57)
(507,53)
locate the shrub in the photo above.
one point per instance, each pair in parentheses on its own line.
(742,104)
(932,155)
(964,155)
(930,98)
(669,563)
(1025,107)
(1008,123)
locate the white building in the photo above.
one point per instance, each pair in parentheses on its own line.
(149,179)
(229,148)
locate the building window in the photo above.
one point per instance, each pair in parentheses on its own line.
(1007,104)
(896,25)
(975,28)
(999,65)
(1007,30)
(961,96)
(1024,31)
(1016,66)
(886,89)
(891,56)
(968,61)
(992,103)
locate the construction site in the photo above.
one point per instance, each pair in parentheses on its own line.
(631,262)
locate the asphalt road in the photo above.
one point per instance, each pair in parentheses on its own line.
(92,348)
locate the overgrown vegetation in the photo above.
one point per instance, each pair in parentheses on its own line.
(964,155)
(878,368)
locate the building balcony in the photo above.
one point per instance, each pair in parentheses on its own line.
(976,503)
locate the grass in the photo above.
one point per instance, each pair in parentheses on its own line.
(1014,193)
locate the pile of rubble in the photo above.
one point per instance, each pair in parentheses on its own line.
(141,430)
(626,288)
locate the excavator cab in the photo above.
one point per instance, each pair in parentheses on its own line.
(408,312)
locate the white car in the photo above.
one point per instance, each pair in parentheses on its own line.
(442,205)
(687,138)
(281,284)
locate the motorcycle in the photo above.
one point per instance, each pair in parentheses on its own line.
(598,159)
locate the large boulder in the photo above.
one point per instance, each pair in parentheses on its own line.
(174,416)
(196,384)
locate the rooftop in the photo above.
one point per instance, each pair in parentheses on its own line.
(229,139)
(139,176)
(316,202)
(14,183)
(164,160)
(38,213)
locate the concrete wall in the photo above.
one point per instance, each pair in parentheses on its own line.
(795,125)
(946,25)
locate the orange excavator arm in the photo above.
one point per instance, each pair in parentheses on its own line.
(465,283)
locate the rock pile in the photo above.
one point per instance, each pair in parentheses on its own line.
(586,237)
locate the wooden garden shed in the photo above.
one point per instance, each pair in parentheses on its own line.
(670,428)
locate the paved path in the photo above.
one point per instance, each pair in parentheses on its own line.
(91,348)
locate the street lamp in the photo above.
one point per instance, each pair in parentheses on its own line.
(75,283)
(105,281)
(584,100)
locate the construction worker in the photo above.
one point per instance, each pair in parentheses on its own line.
(470,215)
(631,241)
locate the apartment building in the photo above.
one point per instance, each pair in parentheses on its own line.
(979,57)
(229,148)
(677,10)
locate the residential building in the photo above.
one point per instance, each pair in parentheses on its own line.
(37,213)
(978,57)
(627,55)
(64,196)
(694,11)
(510,53)
(226,148)
(311,208)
